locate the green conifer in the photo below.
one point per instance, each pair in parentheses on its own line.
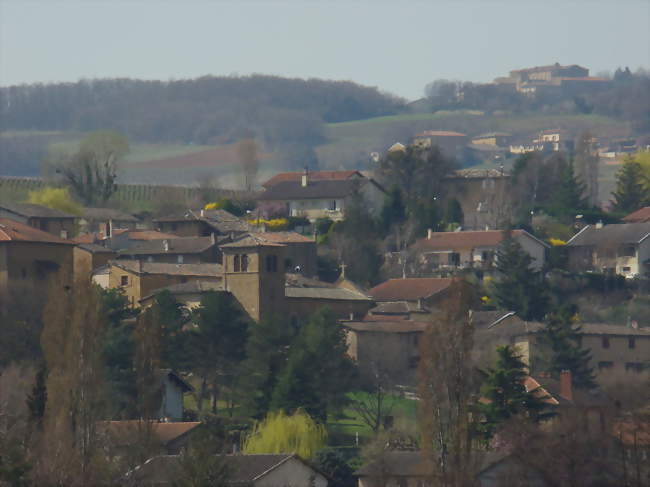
(630,193)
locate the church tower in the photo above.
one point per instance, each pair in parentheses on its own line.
(253,271)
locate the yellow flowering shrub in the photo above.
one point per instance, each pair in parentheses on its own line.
(556,242)
(274,225)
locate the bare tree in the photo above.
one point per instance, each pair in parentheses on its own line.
(376,405)
(586,165)
(446,386)
(249,161)
(91,171)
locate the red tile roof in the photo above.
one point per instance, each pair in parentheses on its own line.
(125,431)
(409,289)
(463,240)
(13,231)
(314,176)
(639,216)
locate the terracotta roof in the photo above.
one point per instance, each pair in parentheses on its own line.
(615,234)
(283,237)
(107,214)
(633,432)
(250,240)
(409,289)
(540,392)
(127,431)
(398,326)
(448,241)
(319,189)
(93,237)
(398,464)
(176,245)
(440,133)
(149,235)
(639,216)
(336,294)
(316,175)
(30,210)
(204,270)
(14,231)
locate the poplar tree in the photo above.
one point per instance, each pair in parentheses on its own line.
(631,192)
(504,394)
(519,287)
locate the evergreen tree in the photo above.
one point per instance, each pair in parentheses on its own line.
(267,351)
(519,287)
(173,316)
(631,193)
(319,372)
(453,212)
(567,199)
(560,339)
(218,341)
(393,212)
(504,394)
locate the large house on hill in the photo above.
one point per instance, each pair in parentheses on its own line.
(622,249)
(318,197)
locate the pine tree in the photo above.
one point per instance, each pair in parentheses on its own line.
(631,193)
(267,351)
(218,341)
(567,199)
(520,287)
(504,394)
(560,339)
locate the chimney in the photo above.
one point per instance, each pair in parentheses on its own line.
(305,177)
(566,385)
(202,212)
(165,245)
(109,229)
(212,238)
(429,233)
(599,224)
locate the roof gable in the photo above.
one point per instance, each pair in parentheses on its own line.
(639,216)
(409,289)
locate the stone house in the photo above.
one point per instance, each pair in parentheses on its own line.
(299,251)
(188,294)
(202,223)
(302,301)
(139,279)
(180,250)
(88,257)
(449,142)
(473,249)
(322,198)
(313,175)
(386,348)
(499,139)
(47,219)
(622,249)
(261,470)
(484,197)
(29,260)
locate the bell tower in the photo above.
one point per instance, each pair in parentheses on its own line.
(253,271)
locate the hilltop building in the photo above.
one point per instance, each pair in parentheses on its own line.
(554,78)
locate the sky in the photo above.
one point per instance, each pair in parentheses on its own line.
(398,46)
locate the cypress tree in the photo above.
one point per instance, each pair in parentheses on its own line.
(520,287)
(560,340)
(630,193)
(567,198)
(504,394)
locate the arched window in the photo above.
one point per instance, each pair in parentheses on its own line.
(244,263)
(237,265)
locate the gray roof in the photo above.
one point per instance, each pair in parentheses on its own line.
(180,245)
(611,235)
(591,329)
(248,241)
(204,270)
(190,287)
(96,249)
(220,220)
(336,294)
(245,469)
(400,326)
(317,189)
(30,210)
(398,463)
(107,214)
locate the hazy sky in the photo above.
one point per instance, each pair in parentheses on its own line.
(398,46)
